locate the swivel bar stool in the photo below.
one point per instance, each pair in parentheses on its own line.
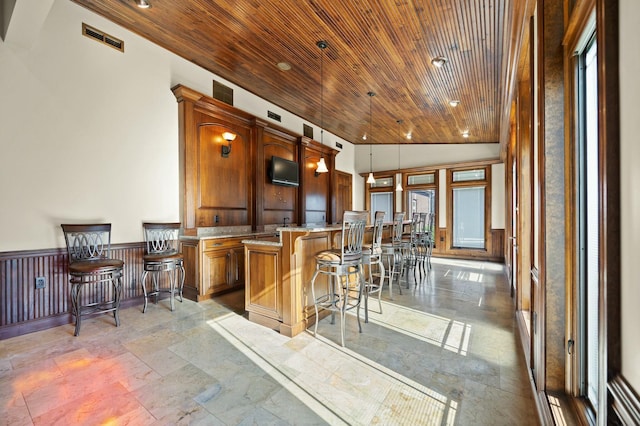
(162,255)
(392,252)
(342,290)
(90,268)
(372,256)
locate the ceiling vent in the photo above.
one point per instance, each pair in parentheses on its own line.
(102,37)
(307,131)
(272,115)
(222,93)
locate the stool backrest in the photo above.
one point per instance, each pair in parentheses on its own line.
(398,218)
(421,227)
(87,242)
(378,226)
(430,226)
(161,238)
(353,225)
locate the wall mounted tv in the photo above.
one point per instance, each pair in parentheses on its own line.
(283,172)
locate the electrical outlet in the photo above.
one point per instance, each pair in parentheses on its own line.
(41,282)
(217,219)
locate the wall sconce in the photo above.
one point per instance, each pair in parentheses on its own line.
(229,137)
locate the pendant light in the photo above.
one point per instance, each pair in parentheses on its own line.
(370,180)
(399,185)
(322,166)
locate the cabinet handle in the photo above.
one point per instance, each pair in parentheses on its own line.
(228,268)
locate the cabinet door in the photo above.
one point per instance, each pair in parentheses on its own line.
(216,271)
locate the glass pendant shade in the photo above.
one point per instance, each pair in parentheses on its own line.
(322,166)
(371,179)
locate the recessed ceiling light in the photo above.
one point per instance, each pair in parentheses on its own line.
(409,135)
(284,66)
(454,103)
(439,61)
(143,4)
(465,134)
(364,137)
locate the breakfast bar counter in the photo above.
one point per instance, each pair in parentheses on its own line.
(278,272)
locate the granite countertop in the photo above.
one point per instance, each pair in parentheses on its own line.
(311,227)
(257,236)
(228,232)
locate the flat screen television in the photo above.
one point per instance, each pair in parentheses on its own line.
(283,172)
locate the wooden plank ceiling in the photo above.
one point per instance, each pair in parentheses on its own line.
(384,46)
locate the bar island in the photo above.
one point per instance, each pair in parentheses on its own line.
(278,272)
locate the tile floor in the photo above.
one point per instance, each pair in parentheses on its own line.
(443,353)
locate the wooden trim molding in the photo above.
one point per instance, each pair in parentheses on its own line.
(624,401)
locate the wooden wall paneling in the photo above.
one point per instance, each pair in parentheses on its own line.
(223,183)
(497,244)
(277,202)
(212,186)
(187,157)
(315,201)
(191,254)
(23,309)
(259,171)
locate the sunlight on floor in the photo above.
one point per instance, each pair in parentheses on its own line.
(338,384)
(436,330)
(488,266)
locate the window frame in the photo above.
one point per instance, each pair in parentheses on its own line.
(423,186)
(451,185)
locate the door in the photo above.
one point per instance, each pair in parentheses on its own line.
(343,195)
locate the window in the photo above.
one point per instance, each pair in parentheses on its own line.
(421,193)
(379,196)
(588,218)
(382,201)
(468,217)
(468,228)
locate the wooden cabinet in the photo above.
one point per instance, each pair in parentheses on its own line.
(213,266)
(264,292)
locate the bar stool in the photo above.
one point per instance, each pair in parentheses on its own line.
(342,292)
(89,251)
(409,246)
(392,252)
(162,255)
(421,244)
(429,236)
(372,255)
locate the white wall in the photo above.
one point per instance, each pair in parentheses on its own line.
(385,157)
(629,194)
(390,157)
(91,134)
(498,203)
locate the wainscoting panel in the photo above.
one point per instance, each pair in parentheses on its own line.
(24,309)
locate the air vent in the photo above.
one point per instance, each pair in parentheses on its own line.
(338,145)
(102,37)
(307,131)
(274,116)
(222,93)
